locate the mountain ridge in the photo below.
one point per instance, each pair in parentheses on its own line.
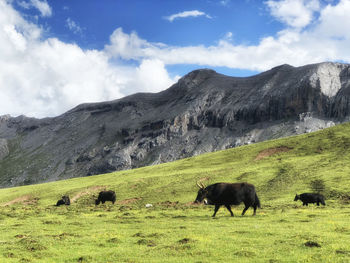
(204,111)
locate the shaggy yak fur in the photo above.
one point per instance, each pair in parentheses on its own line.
(307,198)
(63,201)
(227,194)
(104,196)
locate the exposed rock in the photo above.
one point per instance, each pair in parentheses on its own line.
(4,150)
(205,111)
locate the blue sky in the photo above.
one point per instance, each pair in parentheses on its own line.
(57,54)
(92,23)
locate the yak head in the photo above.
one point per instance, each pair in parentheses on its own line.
(97,201)
(296,198)
(202,193)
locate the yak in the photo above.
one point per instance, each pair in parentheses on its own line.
(104,196)
(63,201)
(228,194)
(307,198)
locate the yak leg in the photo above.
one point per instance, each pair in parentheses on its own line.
(229,209)
(216,209)
(245,209)
(318,204)
(255,206)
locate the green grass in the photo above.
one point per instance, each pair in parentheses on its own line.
(173,230)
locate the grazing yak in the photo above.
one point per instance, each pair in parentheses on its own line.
(307,198)
(104,196)
(228,194)
(63,201)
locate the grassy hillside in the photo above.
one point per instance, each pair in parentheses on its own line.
(174,230)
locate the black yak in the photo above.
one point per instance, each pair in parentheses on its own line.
(63,201)
(307,198)
(228,194)
(104,196)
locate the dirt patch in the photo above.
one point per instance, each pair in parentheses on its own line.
(129,201)
(169,204)
(25,199)
(192,204)
(86,192)
(271,151)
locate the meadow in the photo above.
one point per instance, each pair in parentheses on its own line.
(176,230)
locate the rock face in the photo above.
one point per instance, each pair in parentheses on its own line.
(203,112)
(4,150)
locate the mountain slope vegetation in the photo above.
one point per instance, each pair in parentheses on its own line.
(174,229)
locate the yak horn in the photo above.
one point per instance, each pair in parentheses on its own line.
(200,185)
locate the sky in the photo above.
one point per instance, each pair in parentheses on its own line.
(56,54)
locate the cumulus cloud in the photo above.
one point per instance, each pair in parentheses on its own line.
(48,77)
(184,14)
(295,13)
(327,39)
(43,7)
(334,21)
(151,76)
(45,77)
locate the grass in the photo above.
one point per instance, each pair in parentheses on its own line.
(174,230)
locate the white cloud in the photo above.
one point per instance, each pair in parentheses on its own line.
(73,26)
(326,40)
(151,76)
(228,36)
(334,21)
(42,6)
(45,77)
(184,14)
(295,13)
(24,4)
(48,77)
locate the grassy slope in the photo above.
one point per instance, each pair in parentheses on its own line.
(177,232)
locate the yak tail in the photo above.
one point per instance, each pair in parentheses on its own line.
(257,201)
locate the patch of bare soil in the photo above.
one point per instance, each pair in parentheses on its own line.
(271,151)
(128,201)
(191,203)
(86,192)
(24,199)
(169,203)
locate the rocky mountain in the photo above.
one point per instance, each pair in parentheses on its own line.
(203,112)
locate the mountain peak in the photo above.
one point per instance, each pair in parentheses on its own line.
(198,75)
